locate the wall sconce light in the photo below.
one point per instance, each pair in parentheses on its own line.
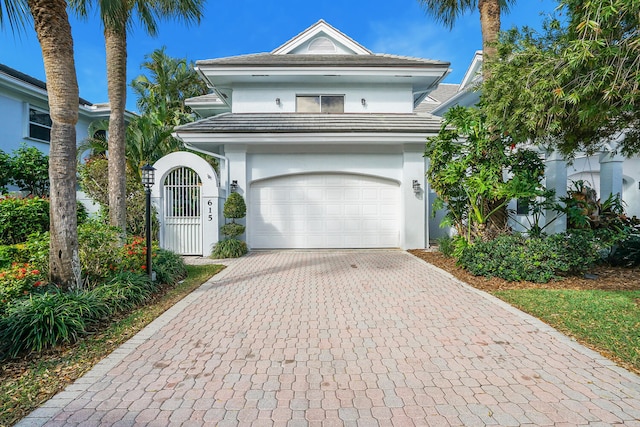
(364,102)
(416,186)
(234,186)
(278,102)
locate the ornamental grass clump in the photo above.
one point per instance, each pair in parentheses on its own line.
(47,319)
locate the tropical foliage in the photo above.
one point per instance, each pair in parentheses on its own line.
(475,174)
(118,19)
(578,80)
(93,180)
(27,168)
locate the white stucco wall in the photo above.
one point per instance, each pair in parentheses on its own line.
(378,98)
(14,127)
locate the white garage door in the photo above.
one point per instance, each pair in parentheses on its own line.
(324,211)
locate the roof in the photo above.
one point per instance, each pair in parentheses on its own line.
(437,97)
(313,123)
(12,72)
(274,60)
(321,28)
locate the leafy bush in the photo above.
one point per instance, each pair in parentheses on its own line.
(34,251)
(22,216)
(19,217)
(515,258)
(445,246)
(30,170)
(98,247)
(169,267)
(17,281)
(626,251)
(93,181)
(232,229)
(8,255)
(47,319)
(234,207)
(230,248)
(124,291)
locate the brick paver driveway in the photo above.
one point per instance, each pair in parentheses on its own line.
(346,338)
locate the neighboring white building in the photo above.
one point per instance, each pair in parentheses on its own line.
(24,112)
(321,138)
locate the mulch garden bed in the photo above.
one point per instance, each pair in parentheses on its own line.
(599,277)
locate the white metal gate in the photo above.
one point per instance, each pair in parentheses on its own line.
(182,212)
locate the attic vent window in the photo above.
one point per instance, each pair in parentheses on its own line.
(321,45)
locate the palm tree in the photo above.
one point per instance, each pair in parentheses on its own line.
(167,84)
(116,22)
(54,34)
(448,11)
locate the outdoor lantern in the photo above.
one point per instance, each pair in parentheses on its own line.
(148,173)
(148,176)
(416,186)
(234,186)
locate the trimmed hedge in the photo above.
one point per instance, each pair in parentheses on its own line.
(516,258)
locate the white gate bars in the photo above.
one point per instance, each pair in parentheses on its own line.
(182,212)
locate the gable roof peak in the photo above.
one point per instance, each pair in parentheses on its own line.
(327,38)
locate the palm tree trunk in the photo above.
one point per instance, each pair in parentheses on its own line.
(490,24)
(116,49)
(54,33)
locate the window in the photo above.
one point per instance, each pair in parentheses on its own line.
(522,206)
(320,103)
(39,124)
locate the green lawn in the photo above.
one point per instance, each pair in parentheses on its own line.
(607,321)
(26,385)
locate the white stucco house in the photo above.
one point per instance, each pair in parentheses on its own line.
(322,139)
(606,172)
(24,112)
(24,116)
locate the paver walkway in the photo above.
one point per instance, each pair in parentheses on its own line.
(361,338)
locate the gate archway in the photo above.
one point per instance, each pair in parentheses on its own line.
(186,197)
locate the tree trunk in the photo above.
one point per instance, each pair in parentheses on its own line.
(54,33)
(490,23)
(116,49)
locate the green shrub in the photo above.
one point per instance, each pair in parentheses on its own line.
(234,207)
(99,250)
(34,251)
(8,255)
(19,217)
(124,291)
(47,319)
(94,181)
(30,170)
(230,248)
(17,281)
(169,267)
(626,253)
(516,258)
(232,229)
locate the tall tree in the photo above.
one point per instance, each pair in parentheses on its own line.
(117,22)
(54,34)
(448,12)
(165,86)
(578,80)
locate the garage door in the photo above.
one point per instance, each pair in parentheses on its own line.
(324,211)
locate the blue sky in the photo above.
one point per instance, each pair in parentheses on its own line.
(236,27)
